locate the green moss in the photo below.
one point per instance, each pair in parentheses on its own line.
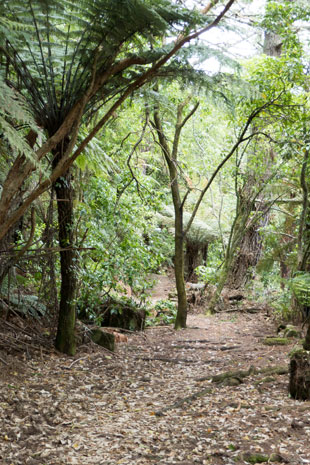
(232,382)
(103,339)
(291,331)
(254,458)
(276,341)
(267,379)
(297,350)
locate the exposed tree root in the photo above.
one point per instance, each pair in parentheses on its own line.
(241,374)
(183,401)
(220,378)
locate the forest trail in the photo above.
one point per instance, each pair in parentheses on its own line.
(145,405)
(163,285)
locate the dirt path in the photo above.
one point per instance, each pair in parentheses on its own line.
(163,285)
(100,409)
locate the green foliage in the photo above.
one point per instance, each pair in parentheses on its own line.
(281,303)
(65,44)
(207,274)
(300,285)
(87,310)
(211,273)
(28,305)
(14,117)
(200,233)
(165,313)
(125,245)
(281,17)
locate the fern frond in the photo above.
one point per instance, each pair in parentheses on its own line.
(13,112)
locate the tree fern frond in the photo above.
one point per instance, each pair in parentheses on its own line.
(13,111)
(68,43)
(200,232)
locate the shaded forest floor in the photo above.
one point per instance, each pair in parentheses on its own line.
(137,406)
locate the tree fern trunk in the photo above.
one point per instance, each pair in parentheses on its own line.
(65,338)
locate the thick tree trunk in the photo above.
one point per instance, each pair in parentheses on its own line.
(195,255)
(246,243)
(243,263)
(65,338)
(299,385)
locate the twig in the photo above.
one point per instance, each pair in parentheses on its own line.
(75,361)
(19,343)
(168,360)
(229,347)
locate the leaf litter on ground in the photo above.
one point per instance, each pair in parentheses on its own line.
(101,409)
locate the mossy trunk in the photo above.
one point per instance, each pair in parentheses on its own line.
(299,385)
(180,321)
(65,338)
(306,344)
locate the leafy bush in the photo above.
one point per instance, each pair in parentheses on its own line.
(300,286)
(165,313)
(124,245)
(207,274)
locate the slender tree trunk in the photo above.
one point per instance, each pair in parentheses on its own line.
(12,198)
(65,338)
(171,157)
(7,259)
(180,321)
(49,280)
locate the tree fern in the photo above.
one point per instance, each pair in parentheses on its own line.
(200,232)
(65,45)
(300,286)
(14,118)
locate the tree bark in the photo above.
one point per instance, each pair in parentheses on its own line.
(299,385)
(65,338)
(180,321)
(246,241)
(12,198)
(171,160)
(245,245)
(195,255)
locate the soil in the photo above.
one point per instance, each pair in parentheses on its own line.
(139,406)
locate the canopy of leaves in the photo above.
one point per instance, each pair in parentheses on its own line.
(69,49)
